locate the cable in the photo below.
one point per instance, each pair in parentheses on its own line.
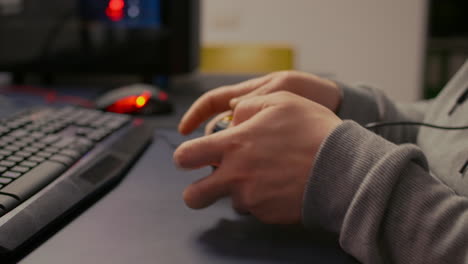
(407,123)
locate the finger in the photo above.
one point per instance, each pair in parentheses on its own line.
(210,126)
(216,101)
(263,90)
(202,151)
(206,191)
(251,106)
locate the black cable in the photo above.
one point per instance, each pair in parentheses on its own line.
(407,123)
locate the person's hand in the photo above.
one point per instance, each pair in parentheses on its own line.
(319,90)
(263,160)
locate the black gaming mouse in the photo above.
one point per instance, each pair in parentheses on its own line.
(138,99)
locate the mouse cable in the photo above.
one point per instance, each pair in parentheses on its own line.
(375,125)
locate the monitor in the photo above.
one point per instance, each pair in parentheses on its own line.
(99,36)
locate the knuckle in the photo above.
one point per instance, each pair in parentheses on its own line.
(285,76)
(243,104)
(246,199)
(282,96)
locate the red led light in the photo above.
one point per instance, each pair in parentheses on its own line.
(115,10)
(163,96)
(130,104)
(116,5)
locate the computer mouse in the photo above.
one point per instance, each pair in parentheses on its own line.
(137,99)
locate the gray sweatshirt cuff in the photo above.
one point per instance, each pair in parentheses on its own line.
(344,160)
(358,104)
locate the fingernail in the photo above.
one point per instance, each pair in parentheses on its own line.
(233,102)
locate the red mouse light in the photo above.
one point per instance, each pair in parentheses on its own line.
(130,104)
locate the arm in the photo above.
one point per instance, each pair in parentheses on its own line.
(366,105)
(382,202)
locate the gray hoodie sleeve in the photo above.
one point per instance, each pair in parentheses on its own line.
(382,203)
(367,105)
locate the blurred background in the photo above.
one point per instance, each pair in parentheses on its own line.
(407,48)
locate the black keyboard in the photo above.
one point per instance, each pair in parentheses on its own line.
(39,146)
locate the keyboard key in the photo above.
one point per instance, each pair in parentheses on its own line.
(8,202)
(19,133)
(38,145)
(5,152)
(62,159)
(64,142)
(7,163)
(71,153)
(12,148)
(19,169)
(27,140)
(29,164)
(36,159)
(2,169)
(23,154)
(44,154)
(4,180)
(52,150)
(50,139)
(15,158)
(34,180)
(19,144)
(37,135)
(11,174)
(8,139)
(31,149)
(3,130)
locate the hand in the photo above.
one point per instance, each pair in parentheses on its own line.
(309,86)
(263,160)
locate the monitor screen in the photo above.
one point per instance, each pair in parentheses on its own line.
(99,36)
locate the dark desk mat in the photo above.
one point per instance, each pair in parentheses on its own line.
(144,220)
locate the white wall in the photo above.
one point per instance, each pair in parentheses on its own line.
(378,42)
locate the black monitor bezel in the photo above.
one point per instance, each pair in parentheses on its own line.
(180,20)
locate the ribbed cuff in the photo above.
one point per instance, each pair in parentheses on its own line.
(342,163)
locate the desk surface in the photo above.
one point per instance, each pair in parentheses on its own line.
(143,220)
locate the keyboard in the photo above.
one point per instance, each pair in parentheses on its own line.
(52,159)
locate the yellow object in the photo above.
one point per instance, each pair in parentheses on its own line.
(245,58)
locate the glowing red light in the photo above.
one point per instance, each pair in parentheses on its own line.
(163,96)
(115,10)
(130,104)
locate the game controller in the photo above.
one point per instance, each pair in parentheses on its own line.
(222,124)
